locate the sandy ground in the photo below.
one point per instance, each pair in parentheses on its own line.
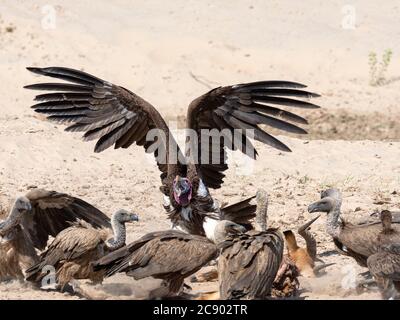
(170,54)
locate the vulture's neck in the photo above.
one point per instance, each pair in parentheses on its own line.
(261,216)
(119,235)
(333,223)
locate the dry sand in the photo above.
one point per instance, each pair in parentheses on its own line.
(158,51)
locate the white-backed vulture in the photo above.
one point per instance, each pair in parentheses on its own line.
(357,241)
(171,255)
(385,264)
(304,258)
(249,262)
(74,249)
(33,218)
(113,115)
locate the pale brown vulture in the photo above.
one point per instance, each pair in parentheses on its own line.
(249,262)
(33,218)
(74,249)
(113,115)
(385,264)
(358,241)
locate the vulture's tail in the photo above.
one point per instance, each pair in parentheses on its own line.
(241,212)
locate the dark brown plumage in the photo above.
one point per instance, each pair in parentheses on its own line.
(113,115)
(357,241)
(32,220)
(385,264)
(249,262)
(170,255)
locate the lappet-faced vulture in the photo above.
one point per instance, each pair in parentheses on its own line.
(33,218)
(249,262)
(113,115)
(74,249)
(358,241)
(385,264)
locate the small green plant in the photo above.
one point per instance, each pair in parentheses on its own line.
(377,70)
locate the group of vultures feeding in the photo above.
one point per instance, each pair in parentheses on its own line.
(52,234)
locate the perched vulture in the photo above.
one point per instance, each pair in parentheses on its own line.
(171,255)
(33,218)
(304,258)
(358,241)
(225,117)
(249,262)
(385,264)
(74,249)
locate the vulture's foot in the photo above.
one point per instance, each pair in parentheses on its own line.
(366,284)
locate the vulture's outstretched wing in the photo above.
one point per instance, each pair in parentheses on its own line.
(53,212)
(108,113)
(244,107)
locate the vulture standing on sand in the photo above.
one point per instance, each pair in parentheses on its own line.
(113,115)
(385,264)
(358,241)
(74,249)
(33,218)
(304,258)
(171,255)
(249,262)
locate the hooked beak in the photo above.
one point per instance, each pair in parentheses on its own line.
(313,207)
(178,192)
(134,217)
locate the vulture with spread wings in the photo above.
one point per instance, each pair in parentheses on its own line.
(113,115)
(32,220)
